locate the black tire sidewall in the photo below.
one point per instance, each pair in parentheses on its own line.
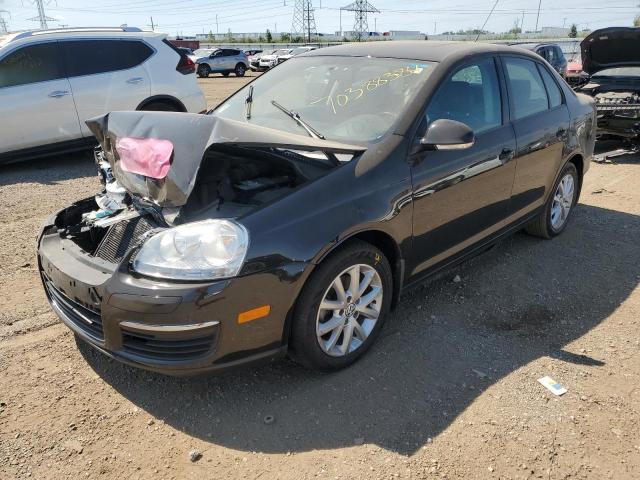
(238,68)
(204,71)
(304,343)
(568,168)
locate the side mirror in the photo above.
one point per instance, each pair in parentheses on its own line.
(444,134)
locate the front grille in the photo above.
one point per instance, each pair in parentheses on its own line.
(156,347)
(88,321)
(121,237)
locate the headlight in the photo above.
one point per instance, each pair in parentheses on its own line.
(204,250)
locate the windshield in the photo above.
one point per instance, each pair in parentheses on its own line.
(353,99)
(619,72)
(203,52)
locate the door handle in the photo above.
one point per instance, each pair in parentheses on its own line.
(135,80)
(506,154)
(58,93)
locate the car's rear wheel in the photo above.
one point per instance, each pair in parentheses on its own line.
(553,220)
(240,70)
(342,308)
(204,70)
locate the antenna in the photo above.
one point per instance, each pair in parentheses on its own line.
(42,17)
(304,22)
(361,25)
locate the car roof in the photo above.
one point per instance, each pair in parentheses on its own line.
(84,32)
(531,46)
(426,50)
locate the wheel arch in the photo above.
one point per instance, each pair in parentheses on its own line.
(168,99)
(385,243)
(578,160)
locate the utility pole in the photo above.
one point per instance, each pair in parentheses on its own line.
(538,16)
(152,25)
(304,22)
(4,28)
(42,17)
(217,24)
(361,9)
(522,23)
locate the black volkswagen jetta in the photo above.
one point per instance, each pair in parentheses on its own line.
(291,217)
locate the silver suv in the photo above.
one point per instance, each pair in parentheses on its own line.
(51,81)
(220,60)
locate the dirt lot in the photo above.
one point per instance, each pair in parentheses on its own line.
(448,391)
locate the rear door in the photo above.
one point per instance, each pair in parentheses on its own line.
(461,196)
(106,75)
(541,121)
(36,105)
(229,58)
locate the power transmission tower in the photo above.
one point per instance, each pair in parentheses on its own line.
(4,28)
(304,22)
(361,9)
(42,17)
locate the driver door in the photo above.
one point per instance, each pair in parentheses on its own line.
(462,196)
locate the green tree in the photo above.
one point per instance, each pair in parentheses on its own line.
(269,36)
(285,37)
(573,32)
(636,21)
(210,36)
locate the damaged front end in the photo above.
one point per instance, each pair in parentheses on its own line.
(161,170)
(611,60)
(179,184)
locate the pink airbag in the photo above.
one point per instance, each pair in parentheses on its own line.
(150,157)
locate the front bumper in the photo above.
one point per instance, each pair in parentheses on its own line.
(175,328)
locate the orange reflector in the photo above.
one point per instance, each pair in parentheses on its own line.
(254,314)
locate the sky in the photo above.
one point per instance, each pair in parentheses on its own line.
(188,17)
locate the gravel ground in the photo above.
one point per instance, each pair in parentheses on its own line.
(448,391)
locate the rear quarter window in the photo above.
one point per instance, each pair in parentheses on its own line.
(89,57)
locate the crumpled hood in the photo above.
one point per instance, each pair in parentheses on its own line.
(190,135)
(611,47)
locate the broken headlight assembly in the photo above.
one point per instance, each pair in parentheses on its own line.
(205,250)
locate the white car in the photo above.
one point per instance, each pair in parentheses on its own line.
(294,52)
(269,61)
(51,81)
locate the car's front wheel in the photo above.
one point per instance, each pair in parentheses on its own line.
(204,70)
(342,308)
(553,220)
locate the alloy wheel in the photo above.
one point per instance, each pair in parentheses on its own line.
(349,310)
(562,201)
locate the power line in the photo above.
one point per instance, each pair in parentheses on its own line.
(304,21)
(42,17)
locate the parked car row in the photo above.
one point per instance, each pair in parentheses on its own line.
(270,58)
(51,81)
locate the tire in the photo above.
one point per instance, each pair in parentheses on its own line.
(240,70)
(160,107)
(204,70)
(225,74)
(557,211)
(309,317)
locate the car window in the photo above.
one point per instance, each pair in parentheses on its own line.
(555,96)
(88,57)
(30,64)
(558,52)
(471,96)
(528,94)
(551,55)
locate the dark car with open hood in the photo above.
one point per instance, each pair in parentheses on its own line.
(290,218)
(611,59)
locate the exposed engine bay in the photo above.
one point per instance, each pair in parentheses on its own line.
(618,111)
(231,182)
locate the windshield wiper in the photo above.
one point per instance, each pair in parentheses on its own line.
(248,102)
(310,130)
